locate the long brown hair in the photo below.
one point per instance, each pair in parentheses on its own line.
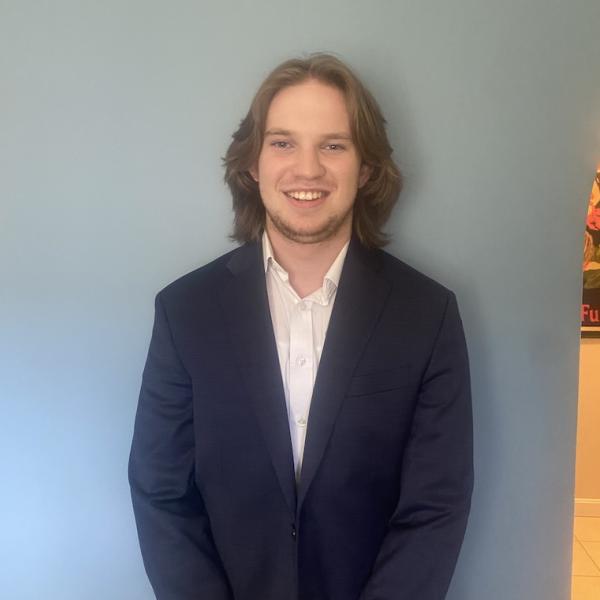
(374,201)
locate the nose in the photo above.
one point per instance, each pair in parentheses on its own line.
(308,164)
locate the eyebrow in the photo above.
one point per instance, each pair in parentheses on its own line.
(337,135)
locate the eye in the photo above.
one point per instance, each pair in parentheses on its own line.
(335,147)
(280,144)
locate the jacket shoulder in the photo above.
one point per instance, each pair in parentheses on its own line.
(200,280)
(407,279)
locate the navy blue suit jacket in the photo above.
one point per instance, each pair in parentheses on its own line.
(381,507)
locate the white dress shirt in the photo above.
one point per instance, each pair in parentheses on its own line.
(300,325)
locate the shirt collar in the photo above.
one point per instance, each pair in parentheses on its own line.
(330,281)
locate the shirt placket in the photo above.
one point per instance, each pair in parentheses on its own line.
(301,372)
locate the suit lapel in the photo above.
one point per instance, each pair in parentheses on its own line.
(359,300)
(360,297)
(247,314)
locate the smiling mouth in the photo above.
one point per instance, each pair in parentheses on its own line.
(306,196)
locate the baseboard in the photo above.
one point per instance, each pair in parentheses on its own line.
(587,507)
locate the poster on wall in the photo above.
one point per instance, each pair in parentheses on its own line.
(590,304)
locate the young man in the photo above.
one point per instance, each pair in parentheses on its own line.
(304,423)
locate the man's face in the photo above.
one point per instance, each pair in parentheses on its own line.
(309,170)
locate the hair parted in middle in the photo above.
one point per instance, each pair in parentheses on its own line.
(374,201)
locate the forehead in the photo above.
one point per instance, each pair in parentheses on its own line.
(309,106)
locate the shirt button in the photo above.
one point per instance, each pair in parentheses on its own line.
(301,421)
(301,361)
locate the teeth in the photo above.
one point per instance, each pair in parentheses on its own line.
(305,195)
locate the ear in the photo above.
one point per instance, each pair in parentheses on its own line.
(364,174)
(253,173)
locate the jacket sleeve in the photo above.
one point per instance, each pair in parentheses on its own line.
(419,551)
(173,526)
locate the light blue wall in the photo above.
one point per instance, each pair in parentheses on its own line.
(113,119)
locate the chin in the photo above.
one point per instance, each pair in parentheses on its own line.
(320,232)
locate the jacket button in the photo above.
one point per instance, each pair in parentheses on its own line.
(294,531)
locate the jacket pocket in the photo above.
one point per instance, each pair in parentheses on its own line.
(379,381)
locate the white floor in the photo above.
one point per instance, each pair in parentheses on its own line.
(586,559)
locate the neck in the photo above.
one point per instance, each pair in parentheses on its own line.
(306,264)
